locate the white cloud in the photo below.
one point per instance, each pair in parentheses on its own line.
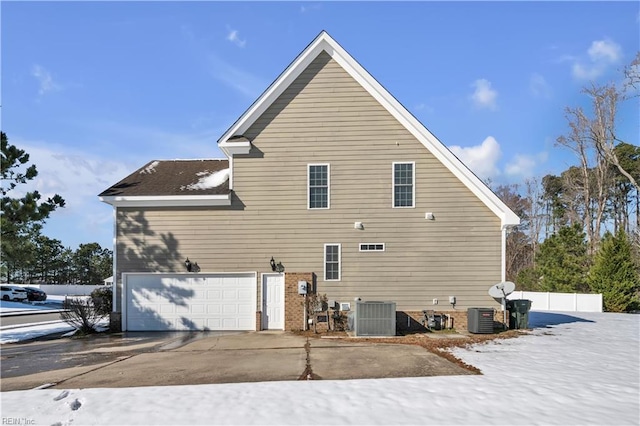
(605,50)
(237,78)
(484,96)
(602,54)
(524,165)
(220,69)
(308,8)
(586,72)
(45,80)
(481,159)
(78,177)
(539,86)
(424,107)
(235,39)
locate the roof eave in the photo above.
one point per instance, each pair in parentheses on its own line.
(235,148)
(169,201)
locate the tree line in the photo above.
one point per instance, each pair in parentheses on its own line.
(580,230)
(28,256)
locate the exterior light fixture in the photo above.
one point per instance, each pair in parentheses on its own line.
(276,267)
(187,264)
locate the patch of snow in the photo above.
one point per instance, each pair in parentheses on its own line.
(209,180)
(151,168)
(53,302)
(14,335)
(571,369)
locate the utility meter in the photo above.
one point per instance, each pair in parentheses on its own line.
(302,287)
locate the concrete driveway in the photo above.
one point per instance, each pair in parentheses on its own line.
(241,357)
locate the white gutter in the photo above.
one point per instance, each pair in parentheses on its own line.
(168,200)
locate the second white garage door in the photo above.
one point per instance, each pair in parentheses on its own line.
(158,302)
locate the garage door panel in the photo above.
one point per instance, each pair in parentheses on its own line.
(244,309)
(195,308)
(229,309)
(184,302)
(167,309)
(214,324)
(243,294)
(244,324)
(214,294)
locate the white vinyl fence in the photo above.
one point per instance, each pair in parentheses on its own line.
(66,289)
(563,302)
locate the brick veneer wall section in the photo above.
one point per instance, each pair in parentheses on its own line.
(411,321)
(294,302)
(258,320)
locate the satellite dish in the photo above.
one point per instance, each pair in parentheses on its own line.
(502,289)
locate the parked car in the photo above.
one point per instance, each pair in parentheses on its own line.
(35,294)
(13,293)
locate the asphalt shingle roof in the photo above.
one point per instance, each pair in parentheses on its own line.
(171,177)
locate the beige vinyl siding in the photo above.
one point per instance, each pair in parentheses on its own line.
(326,117)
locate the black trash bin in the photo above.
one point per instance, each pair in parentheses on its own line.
(518,313)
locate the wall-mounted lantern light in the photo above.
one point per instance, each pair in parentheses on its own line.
(276,267)
(188,265)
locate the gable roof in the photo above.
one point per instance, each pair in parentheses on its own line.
(173,182)
(324,43)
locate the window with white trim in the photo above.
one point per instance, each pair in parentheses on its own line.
(332,262)
(404,180)
(371,246)
(318,186)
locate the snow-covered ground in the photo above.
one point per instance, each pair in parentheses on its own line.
(573,369)
(17,333)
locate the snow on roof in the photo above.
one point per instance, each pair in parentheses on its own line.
(209,180)
(151,168)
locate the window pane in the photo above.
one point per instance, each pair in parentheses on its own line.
(332,262)
(332,271)
(318,197)
(404,196)
(318,186)
(404,174)
(403,185)
(332,253)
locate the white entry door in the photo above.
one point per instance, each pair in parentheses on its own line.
(273,301)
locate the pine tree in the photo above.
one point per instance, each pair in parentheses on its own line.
(615,274)
(22,218)
(563,261)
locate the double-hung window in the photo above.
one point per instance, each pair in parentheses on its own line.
(318,186)
(404,184)
(332,262)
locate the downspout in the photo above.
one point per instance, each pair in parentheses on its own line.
(230,172)
(114,284)
(503,273)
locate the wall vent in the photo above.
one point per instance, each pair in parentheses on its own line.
(374,319)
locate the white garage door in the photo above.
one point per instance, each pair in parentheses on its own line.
(224,301)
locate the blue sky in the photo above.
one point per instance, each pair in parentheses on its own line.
(93,91)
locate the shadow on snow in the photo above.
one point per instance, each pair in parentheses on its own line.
(539,319)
